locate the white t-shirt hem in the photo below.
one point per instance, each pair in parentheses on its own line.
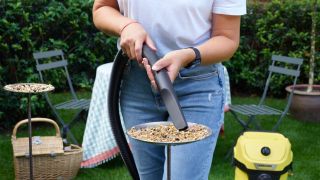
(234,11)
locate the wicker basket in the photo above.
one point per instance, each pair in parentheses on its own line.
(49,159)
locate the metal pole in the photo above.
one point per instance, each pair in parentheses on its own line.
(168,162)
(30,138)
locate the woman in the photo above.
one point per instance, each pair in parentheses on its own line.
(193,38)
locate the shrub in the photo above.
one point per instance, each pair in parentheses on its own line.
(278,27)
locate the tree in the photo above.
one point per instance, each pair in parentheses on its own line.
(313,44)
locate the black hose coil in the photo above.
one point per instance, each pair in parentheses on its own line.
(119,65)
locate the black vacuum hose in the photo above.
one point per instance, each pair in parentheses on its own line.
(168,96)
(119,65)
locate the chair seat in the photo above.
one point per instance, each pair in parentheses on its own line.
(74,104)
(252,109)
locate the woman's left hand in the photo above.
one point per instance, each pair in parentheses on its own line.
(172,61)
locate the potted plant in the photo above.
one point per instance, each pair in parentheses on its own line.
(306,99)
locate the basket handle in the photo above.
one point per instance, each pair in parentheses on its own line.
(14,133)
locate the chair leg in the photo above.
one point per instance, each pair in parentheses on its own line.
(252,120)
(230,151)
(66,128)
(245,126)
(74,119)
(241,122)
(257,125)
(275,127)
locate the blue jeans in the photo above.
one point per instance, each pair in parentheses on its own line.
(200,91)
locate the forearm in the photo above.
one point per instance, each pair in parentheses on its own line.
(108,19)
(217,49)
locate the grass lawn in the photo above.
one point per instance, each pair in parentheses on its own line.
(303,136)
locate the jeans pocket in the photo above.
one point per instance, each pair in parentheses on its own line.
(198,72)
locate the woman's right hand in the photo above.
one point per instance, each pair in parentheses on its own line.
(132,38)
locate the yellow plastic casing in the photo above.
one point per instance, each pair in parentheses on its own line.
(248,152)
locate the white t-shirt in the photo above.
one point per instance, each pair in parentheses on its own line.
(176,24)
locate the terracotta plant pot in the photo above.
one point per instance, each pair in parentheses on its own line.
(305,105)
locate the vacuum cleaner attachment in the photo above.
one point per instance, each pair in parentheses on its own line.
(166,91)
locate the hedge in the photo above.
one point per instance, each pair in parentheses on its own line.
(30,26)
(278,27)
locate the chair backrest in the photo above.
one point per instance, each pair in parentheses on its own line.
(60,63)
(286,66)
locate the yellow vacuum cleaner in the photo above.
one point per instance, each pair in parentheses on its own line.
(262,156)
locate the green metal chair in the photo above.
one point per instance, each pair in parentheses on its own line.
(281,65)
(55,59)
